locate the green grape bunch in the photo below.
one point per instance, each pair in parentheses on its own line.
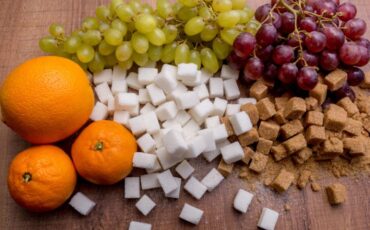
(127,33)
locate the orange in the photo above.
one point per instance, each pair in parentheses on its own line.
(46,99)
(41,178)
(103,152)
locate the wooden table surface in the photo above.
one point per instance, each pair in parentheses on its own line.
(22,23)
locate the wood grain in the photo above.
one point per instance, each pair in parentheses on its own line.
(22,23)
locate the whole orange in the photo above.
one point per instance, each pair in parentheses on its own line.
(46,99)
(103,152)
(41,178)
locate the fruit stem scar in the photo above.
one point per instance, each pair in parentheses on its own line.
(27,177)
(99,146)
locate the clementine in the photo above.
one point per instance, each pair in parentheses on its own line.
(46,99)
(103,152)
(41,178)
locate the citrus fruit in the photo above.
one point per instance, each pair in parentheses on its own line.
(46,99)
(103,152)
(41,178)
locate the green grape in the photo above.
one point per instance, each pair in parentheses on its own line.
(97,64)
(48,44)
(126,64)
(103,27)
(229,35)
(222,5)
(209,32)
(147,9)
(113,37)
(160,21)
(194,26)
(75,59)
(85,53)
(194,57)
(176,7)
(186,13)
(72,43)
(105,49)
(110,60)
(168,52)
(182,53)
(209,60)
(164,8)
(189,3)
(228,19)
(124,51)
(145,23)
(170,31)
(131,27)
(244,17)
(249,15)
(238,4)
(90,23)
(205,13)
(155,53)
(252,26)
(77,33)
(114,4)
(156,37)
(140,59)
(119,25)
(125,12)
(221,48)
(135,6)
(56,30)
(91,37)
(103,13)
(139,42)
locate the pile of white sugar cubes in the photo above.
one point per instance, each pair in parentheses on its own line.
(175,116)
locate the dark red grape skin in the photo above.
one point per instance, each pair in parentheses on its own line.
(354,28)
(288,73)
(271,72)
(334,37)
(363,42)
(364,54)
(308,24)
(287,23)
(346,11)
(329,60)
(326,8)
(266,35)
(282,54)
(348,53)
(262,12)
(315,42)
(345,91)
(235,61)
(307,78)
(308,8)
(293,41)
(311,59)
(264,53)
(355,76)
(244,44)
(276,20)
(253,68)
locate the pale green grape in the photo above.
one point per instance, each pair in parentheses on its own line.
(160,21)
(135,6)
(90,23)
(110,60)
(56,30)
(194,57)
(170,31)
(105,49)
(244,18)
(103,13)
(114,4)
(85,53)
(145,23)
(186,13)
(194,39)
(194,26)
(77,33)
(176,7)
(221,48)
(140,59)
(97,64)
(125,12)
(182,53)
(103,27)
(209,32)
(147,9)
(164,8)
(228,35)
(252,26)
(139,42)
(222,5)
(119,25)
(48,44)
(209,60)
(124,51)
(91,37)
(205,13)
(155,53)
(126,64)
(249,15)
(113,37)
(189,3)
(168,52)
(156,37)
(71,44)
(228,19)
(75,59)
(131,26)
(238,4)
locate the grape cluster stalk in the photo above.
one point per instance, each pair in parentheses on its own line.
(124,33)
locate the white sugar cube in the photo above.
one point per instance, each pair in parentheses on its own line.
(133,82)
(180,88)
(158,139)
(156,168)
(184,169)
(232,109)
(103,92)
(145,205)
(212,179)
(232,153)
(216,87)
(201,111)
(149,181)
(111,105)
(170,70)
(134,225)
(196,146)
(195,188)
(156,94)
(219,107)
(134,111)
(100,112)
(242,200)
(220,133)
(241,123)
(192,82)
(167,160)
(146,75)
(247,100)
(231,89)
(103,76)
(146,143)
(166,111)
(182,117)
(167,181)
(187,71)
(202,91)
(143,96)
(211,155)
(268,219)
(166,81)
(175,193)
(119,84)
(229,73)
(118,72)
(191,214)
(121,117)
(208,139)
(175,143)
(137,125)
(212,122)
(151,122)
(205,76)
(132,187)
(171,124)
(82,203)
(147,108)
(190,129)
(144,160)
(186,100)
(126,101)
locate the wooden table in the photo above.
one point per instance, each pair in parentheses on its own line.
(22,23)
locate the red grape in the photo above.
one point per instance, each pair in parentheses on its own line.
(329,60)
(345,91)
(294,39)
(271,72)
(282,54)
(354,28)
(311,59)
(253,68)
(262,12)
(363,42)
(264,53)
(235,61)
(348,53)
(276,20)
(308,8)
(355,76)
(307,78)
(288,73)
(364,54)
(244,44)
(326,8)
(347,11)
(287,23)
(315,41)
(334,37)
(308,24)
(266,35)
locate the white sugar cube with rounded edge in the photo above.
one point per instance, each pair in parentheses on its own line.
(134,225)
(231,89)
(126,101)
(208,139)
(147,108)
(134,111)
(111,105)
(192,82)
(220,133)
(146,143)
(166,111)
(169,124)
(242,200)
(167,181)
(121,117)
(143,96)
(216,87)
(170,70)
(190,129)
(167,160)
(151,122)
(182,117)
(146,75)
(219,107)
(156,168)
(211,155)
(206,75)
(133,82)
(229,73)
(196,146)
(137,125)
(144,160)
(247,100)
(166,81)
(212,122)
(268,219)
(158,139)
(149,181)
(184,169)
(175,143)
(145,205)
(156,94)
(241,123)
(232,109)
(132,187)
(180,88)
(202,91)
(201,111)
(212,179)
(187,71)
(82,203)
(103,92)
(119,84)
(100,112)
(186,100)
(191,214)
(232,153)
(195,188)
(103,76)
(175,193)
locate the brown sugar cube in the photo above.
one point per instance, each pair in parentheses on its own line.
(248,154)
(355,146)
(228,126)
(302,155)
(311,103)
(332,147)
(268,130)
(279,152)
(295,143)
(258,90)
(335,118)
(280,102)
(282,181)
(233,138)
(225,169)
(264,146)
(337,193)
(248,138)
(291,128)
(366,83)
(303,178)
(279,117)
(336,79)
(315,186)
(252,112)
(295,108)
(259,162)
(315,134)
(266,109)
(319,92)
(353,127)
(314,118)
(348,105)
